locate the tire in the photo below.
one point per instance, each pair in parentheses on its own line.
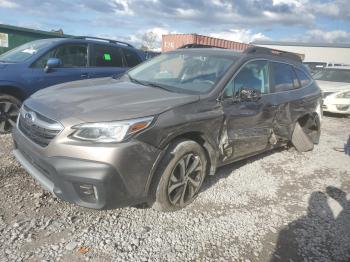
(9,109)
(181,157)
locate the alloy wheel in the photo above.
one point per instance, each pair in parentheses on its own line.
(185,180)
(8,116)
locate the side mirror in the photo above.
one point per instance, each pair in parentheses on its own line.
(248,94)
(52,63)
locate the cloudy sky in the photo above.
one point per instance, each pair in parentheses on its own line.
(239,20)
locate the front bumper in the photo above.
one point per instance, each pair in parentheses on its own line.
(332,108)
(118,175)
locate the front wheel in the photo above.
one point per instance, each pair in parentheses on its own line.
(182,170)
(9,109)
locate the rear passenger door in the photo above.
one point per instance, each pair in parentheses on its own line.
(105,61)
(286,96)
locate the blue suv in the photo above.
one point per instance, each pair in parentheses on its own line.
(42,63)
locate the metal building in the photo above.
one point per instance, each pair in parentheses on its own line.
(13,36)
(174,41)
(314,52)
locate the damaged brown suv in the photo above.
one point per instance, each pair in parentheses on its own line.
(152,135)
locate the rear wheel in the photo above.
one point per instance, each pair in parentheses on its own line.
(9,109)
(182,172)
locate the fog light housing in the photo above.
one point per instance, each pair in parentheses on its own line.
(87,192)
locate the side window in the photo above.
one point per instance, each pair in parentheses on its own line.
(132,59)
(74,55)
(254,75)
(42,61)
(284,77)
(303,78)
(106,56)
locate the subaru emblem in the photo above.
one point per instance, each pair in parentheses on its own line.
(30,117)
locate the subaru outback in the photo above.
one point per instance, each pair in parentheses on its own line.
(42,63)
(152,135)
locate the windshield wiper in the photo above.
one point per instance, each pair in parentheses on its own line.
(145,83)
(135,80)
(157,86)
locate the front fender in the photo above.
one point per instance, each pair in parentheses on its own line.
(13,88)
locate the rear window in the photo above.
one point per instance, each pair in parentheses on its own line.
(284,77)
(132,59)
(106,56)
(303,78)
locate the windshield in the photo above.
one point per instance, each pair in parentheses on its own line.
(24,52)
(334,75)
(183,72)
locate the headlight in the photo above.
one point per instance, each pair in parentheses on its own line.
(108,132)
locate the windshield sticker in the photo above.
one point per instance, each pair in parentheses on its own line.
(107,57)
(4,40)
(30,50)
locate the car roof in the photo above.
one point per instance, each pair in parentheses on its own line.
(209,51)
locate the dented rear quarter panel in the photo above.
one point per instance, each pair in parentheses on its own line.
(292,105)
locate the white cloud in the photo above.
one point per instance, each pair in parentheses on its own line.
(329,9)
(126,10)
(297,3)
(338,9)
(240,35)
(8,4)
(185,13)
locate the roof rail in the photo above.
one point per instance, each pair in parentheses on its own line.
(104,39)
(199,46)
(269,51)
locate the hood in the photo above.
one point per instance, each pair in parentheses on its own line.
(4,65)
(104,99)
(328,86)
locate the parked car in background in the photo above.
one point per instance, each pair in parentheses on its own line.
(153,135)
(334,82)
(315,67)
(42,63)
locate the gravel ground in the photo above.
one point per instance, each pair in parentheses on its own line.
(280,206)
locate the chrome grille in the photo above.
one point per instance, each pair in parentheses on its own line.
(38,128)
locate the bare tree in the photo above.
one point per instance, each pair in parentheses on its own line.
(149,41)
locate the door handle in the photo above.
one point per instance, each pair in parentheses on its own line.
(84,75)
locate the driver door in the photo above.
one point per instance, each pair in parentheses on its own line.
(248,123)
(74,59)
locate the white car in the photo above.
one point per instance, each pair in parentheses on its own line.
(337,103)
(335,85)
